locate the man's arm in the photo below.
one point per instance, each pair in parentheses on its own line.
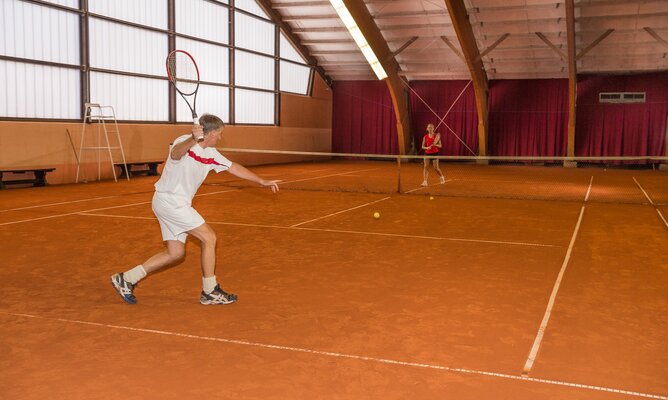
(242,172)
(180,149)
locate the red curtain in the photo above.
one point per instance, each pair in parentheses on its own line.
(363,118)
(441,96)
(604,129)
(528,117)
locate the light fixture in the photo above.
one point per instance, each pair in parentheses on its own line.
(359,38)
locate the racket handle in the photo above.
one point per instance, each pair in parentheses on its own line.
(196,122)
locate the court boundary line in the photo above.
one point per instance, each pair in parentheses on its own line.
(198,195)
(282,182)
(60,203)
(347,356)
(533,353)
(651,202)
(103,208)
(340,212)
(338,231)
(424,187)
(327,176)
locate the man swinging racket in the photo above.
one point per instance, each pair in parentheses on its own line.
(191,157)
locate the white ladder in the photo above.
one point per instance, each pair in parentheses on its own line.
(102,115)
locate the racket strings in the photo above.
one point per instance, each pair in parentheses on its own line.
(183,73)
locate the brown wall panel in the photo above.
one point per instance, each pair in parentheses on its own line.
(306,126)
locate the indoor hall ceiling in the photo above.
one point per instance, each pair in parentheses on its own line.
(516,38)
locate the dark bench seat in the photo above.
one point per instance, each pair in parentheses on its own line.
(150,170)
(38,180)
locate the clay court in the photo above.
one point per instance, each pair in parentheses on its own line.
(336,304)
(473,199)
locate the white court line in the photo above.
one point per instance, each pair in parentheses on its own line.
(546,318)
(348,356)
(61,203)
(308,171)
(341,231)
(424,187)
(327,176)
(652,203)
(115,216)
(339,212)
(589,189)
(643,191)
(100,209)
(134,204)
(71,213)
(661,216)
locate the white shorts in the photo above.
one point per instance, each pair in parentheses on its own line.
(175,215)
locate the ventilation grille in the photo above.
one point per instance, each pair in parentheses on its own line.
(621,97)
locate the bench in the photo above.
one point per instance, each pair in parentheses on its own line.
(38,180)
(152,169)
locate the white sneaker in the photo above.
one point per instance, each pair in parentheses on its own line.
(442,180)
(424,183)
(218,296)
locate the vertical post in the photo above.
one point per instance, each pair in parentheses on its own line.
(664,166)
(467,41)
(84,57)
(232,119)
(277,75)
(171,46)
(572,82)
(398,173)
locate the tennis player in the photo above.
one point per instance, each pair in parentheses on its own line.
(187,166)
(431,144)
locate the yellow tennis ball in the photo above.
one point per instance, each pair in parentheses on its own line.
(431,197)
(376,215)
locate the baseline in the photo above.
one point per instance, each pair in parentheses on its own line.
(347,356)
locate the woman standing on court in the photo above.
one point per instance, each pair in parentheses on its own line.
(187,166)
(431,144)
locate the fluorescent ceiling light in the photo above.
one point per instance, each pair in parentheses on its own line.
(359,38)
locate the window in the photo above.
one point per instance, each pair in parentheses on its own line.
(127,61)
(51,66)
(295,74)
(40,67)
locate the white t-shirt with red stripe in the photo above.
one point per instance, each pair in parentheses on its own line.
(184,177)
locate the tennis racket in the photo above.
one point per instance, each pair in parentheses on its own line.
(184,75)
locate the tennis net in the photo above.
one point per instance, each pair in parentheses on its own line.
(597,179)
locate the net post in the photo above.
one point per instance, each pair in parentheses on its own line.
(664,166)
(398,173)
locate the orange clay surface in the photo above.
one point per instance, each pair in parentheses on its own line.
(437,299)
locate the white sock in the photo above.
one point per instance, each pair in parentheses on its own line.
(135,274)
(208,284)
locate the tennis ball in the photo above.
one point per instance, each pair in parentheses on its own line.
(431,197)
(376,215)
